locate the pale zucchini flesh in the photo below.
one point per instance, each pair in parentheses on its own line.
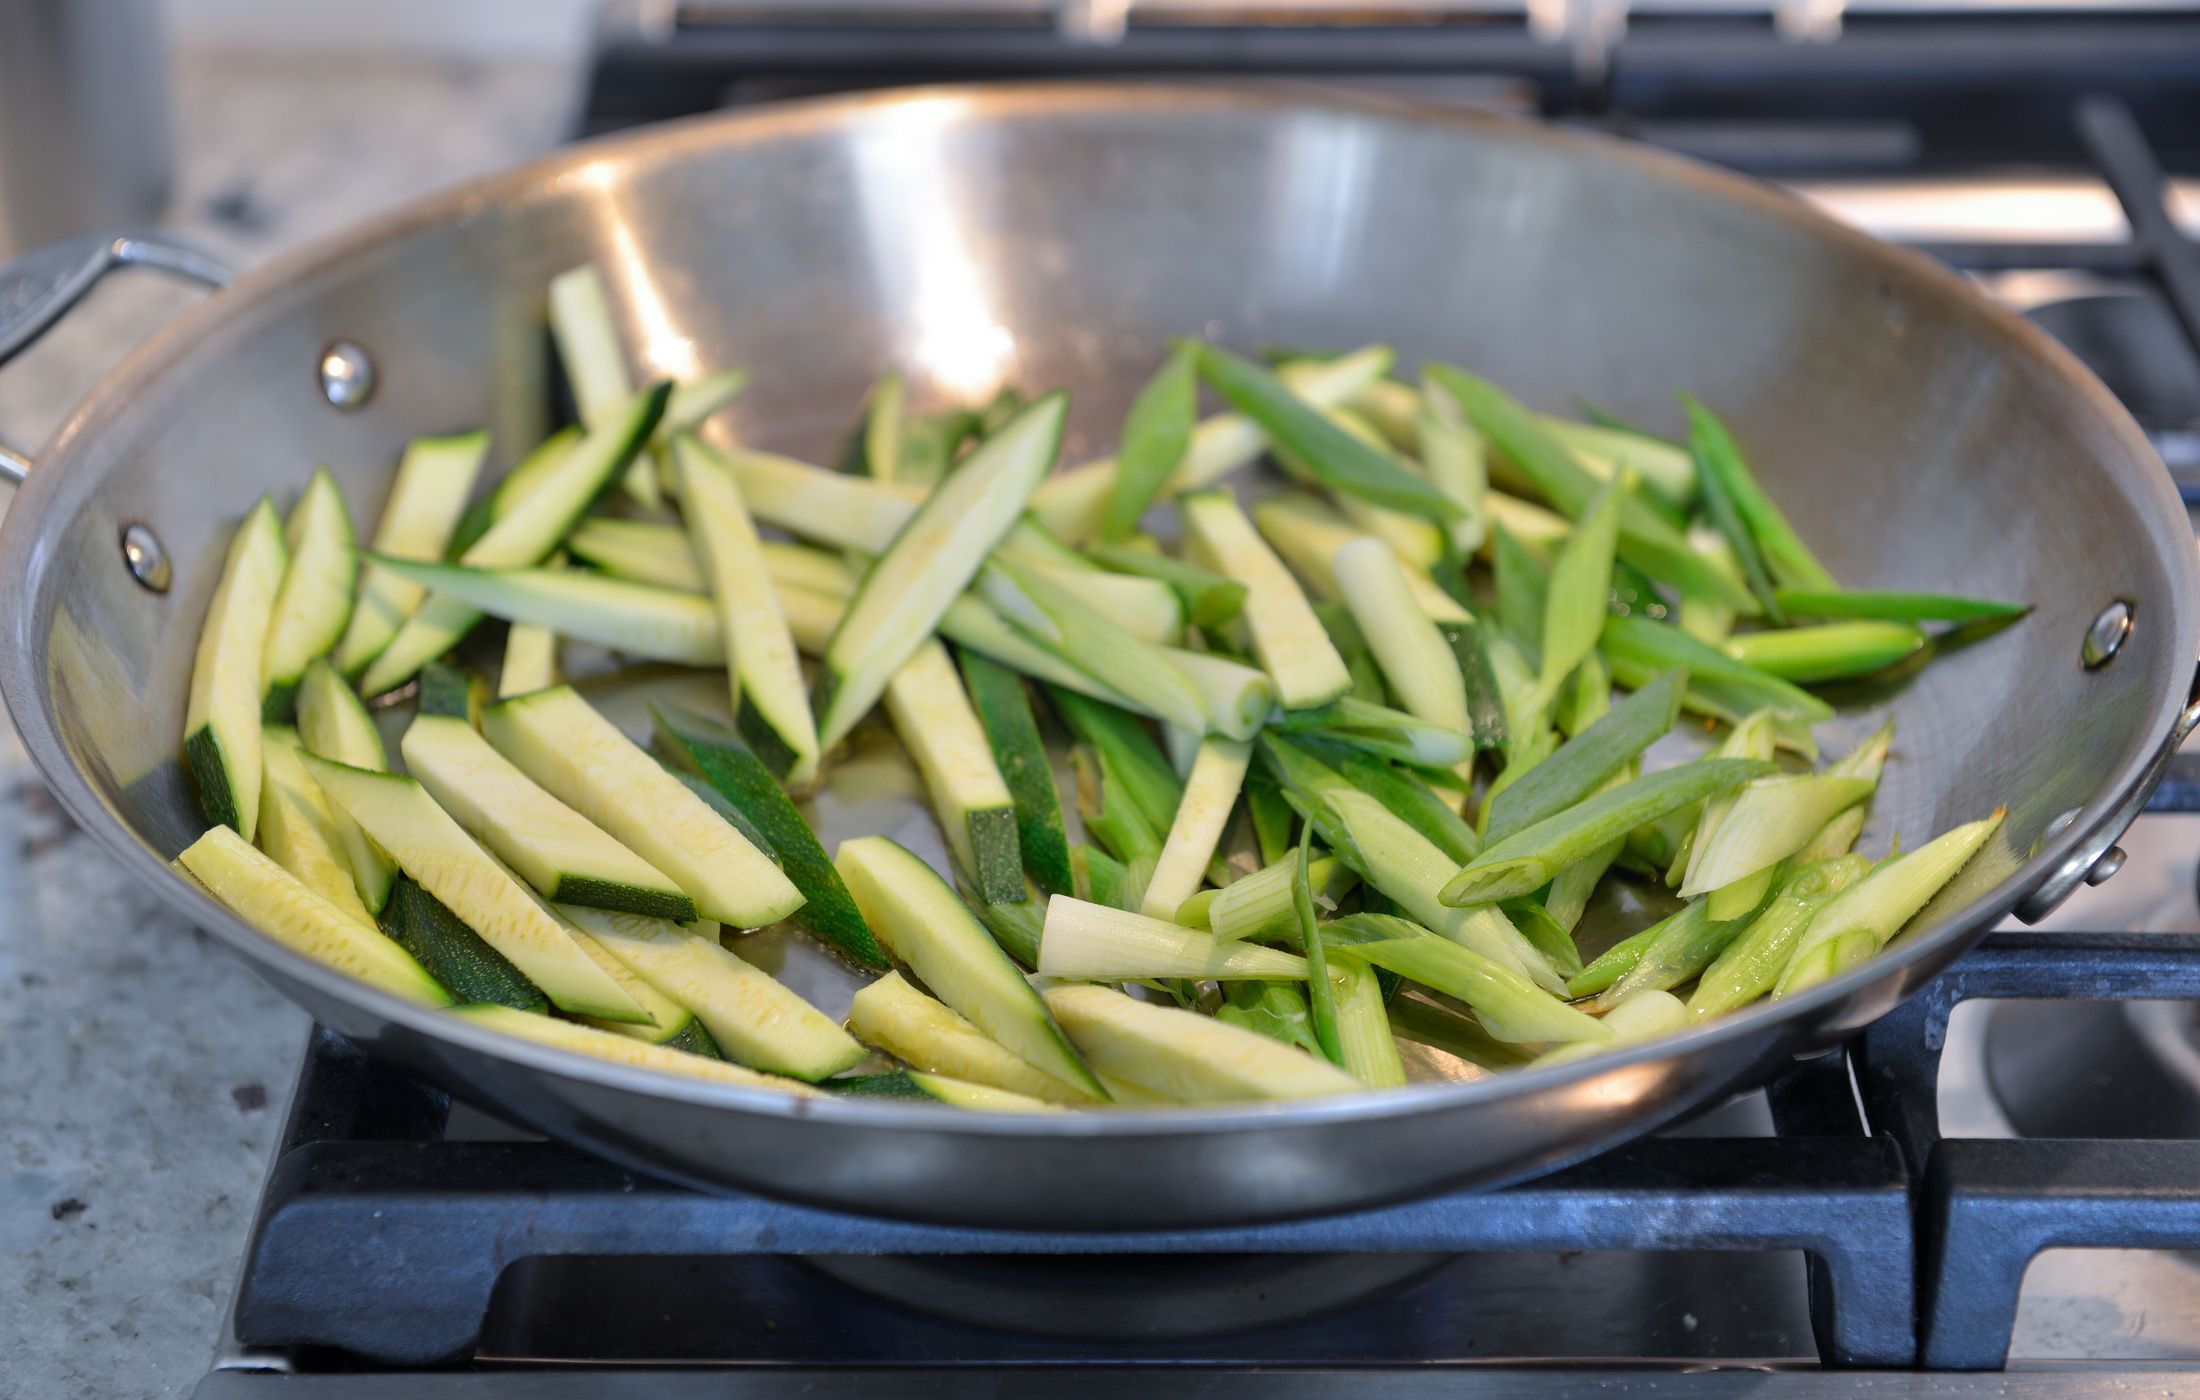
(754,1018)
(432,848)
(434,479)
(620,1050)
(828,508)
(926,926)
(933,717)
(221,725)
(314,603)
(278,904)
(1210,793)
(594,358)
(1183,1056)
(763,671)
(640,551)
(561,742)
(928,1035)
(1289,640)
(333,724)
(634,619)
(530,660)
(296,827)
(564,856)
(931,561)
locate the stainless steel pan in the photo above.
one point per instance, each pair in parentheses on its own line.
(1057,235)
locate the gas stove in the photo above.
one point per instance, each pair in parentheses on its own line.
(1995,1191)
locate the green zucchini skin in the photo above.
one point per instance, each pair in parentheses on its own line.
(202,754)
(450,690)
(695,1040)
(708,750)
(892,1084)
(1004,708)
(454,954)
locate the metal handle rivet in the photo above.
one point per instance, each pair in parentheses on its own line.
(347,375)
(2110,861)
(2107,635)
(147,559)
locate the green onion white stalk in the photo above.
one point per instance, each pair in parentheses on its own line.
(1415,659)
(1870,913)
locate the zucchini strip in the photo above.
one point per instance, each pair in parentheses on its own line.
(1210,794)
(761,665)
(621,1050)
(1059,618)
(313,606)
(827,508)
(1004,708)
(1095,943)
(1183,1056)
(1307,534)
(639,551)
(560,741)
(936,724)
(434,479)
(278,904)
(595,364)
(524,534)
(1286,636)
(634,619)
(928,1035)
(296,828)
(530,660)
(908,588)
(333,724)
(453,953)
(221,726)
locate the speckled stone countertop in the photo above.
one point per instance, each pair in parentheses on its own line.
(142,1068)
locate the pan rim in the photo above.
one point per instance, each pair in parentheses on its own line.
(31,705)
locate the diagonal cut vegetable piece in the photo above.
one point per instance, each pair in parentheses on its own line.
(333,724)
(1096,943)
(434,479)
(935,556)
(296,827)
(221,726)
(1156,435)
(621,1050)
(919,918)
(1895,607)
(1210,795)
(1511,1007)
(928,1035)
(939,729)
(1826,651)
(560,741)
(1286,635)
(1183,1056)
(634,619)
(313,605)
(1717,458)
(1584,763)
(1004,709)
(278,904)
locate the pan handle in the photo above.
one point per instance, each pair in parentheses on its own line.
(38,288)
(2085,865)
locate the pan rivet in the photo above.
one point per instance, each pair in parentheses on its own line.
(2110,861)
(148,560)
(347,375)
(2107,635)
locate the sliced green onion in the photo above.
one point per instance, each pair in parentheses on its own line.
(1866,761)
(1639,649)
(1586,762)
(1156,433)
(1351,644)
(1334,456)
(1424,1022)
(1749,965)
(1523,591)
(1614,962)
(1528,858)
(1058,617)
(1828,651)
(1386,732)
(1786,556)
(1259,906)
(1545,934)
(1575,605)
(1511,1007)
(1604,449)
(1768,821)
(1752,738)
(1277,1010)
(1457,462)
(1306,533)
(1894,607)
(1869,913)
(1094,943)
(1646,1016)
(1321,995)
(1403,794)
(1708,621)
(1403,865)
(1366,1048)
(1134,759)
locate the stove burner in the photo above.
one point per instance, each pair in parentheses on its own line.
(2097,1069)
(2134,343)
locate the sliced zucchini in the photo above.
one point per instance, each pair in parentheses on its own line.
(1145,608)
(434,479)
(1186,1057)
(1210,600)
(1058,617)
(620,1050)
(1286,637)
(640,551)
(695,401)
(429,846)
(935,556)
(669,1022)
(296,827)
(1210,794)
(761,664)
(560,741)
(526,474)
(1095,943)
(566,857)
(938,1088)
(1004,708)
(934,720)
(595,363)
(278,904)
(828,508)
(454,953)
(716,755)
(755,1019)
(333,724)
(314,602)
(885,424)
(928,1035)
(636,619)
(1306,534)
(923,923)
(221,726)
(524,533)
(452,691)
(530,660)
